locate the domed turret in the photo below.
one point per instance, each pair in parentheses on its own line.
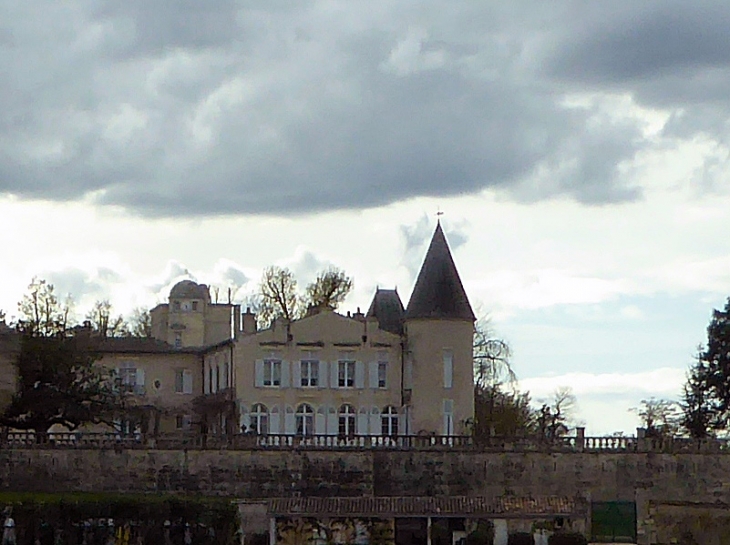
(187,289)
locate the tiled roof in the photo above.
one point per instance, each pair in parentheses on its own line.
(388,309)
(141,345)
(501,507)
(438,292)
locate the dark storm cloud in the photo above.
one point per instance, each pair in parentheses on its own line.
(193,108)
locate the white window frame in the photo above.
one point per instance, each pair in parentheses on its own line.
(309,373)
(448,359)
(183,386)
(382,374)
(128,377)
(347,421)
(184,422)
(270,374)
(346,373)
(448,414)
(389,421)
(259,421)
(304,420)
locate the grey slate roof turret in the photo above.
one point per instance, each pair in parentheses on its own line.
(387,308)
(187,289)
(439,293)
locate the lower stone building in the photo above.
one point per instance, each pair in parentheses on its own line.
(410,520)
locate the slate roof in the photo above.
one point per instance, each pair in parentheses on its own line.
(453,506)
(438,292)
(187,289)
(388,309)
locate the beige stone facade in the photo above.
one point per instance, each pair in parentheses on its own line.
(326,374)
(160,383)
(393,371)
(439,366)
(191,319)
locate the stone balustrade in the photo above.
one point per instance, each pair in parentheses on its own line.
(187,441)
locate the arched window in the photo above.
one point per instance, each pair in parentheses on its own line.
(259,419)
(389,421)
(305,420)
(347,420)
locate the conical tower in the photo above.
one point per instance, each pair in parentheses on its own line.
(439,330)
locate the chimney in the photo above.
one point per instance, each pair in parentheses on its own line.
(359,316)
(236,320)
(249,321)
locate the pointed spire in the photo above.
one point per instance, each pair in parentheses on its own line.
(439,293)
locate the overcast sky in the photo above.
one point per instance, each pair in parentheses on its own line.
(579,151)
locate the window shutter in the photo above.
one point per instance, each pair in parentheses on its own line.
(139,386)
(274,420)
(296,373)
(375,424)
(332,421)
(259,380)
(403,427)
(373,374)
(187,382)
(284,374)
(244,419)
(334,381)
(320,421)
(290,423)
(206,379)
(362,422)
(359,374)
(448,368)
(323,374)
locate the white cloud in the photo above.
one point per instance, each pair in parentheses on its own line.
(666,381)
(604,399)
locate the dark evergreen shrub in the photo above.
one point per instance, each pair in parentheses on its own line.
(567,538)
(482,535)
(520,538)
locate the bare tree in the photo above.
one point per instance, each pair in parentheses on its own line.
(557,415)
(278,295)
(491,357)
(140,324)
(659,417)
(329,288)
(101,320)
(41,313)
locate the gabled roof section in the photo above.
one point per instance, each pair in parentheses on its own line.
(388,309)
(439,293)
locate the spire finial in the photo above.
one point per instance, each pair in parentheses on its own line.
(439,213)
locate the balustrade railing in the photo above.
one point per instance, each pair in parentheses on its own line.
(178,441)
